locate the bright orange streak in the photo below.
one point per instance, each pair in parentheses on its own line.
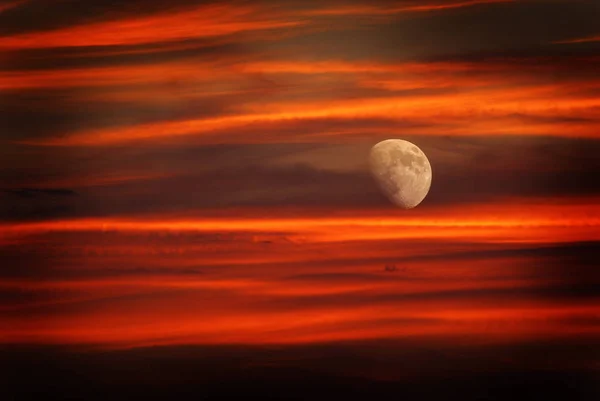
(451,108)
(297,224)
(500,97)
(547,223)
(370,10)
(206,21)
(326,324)
(256,295)
(499,72)
(273,288)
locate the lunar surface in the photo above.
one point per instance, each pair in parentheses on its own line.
(402,171)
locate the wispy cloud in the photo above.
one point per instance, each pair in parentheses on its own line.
(450,114)
(7,5)
(365,10)
(212,20)
(587,39)
(453,98)
(345,228)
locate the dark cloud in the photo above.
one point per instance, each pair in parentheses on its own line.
(580,253)
(466,170)
(29,115)
(238,186)
(510,166)
(414,369)
(34,192)
(523,27)
(36,203)
(121,55)
(465,32)
(486,296)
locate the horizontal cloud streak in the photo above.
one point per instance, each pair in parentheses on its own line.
(453,98)
(493,271)
(206,21)
(7,5)
(374,10)
(588,39)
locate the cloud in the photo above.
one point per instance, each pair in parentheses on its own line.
(227,100)
(325,284)
(588,39)
(398,8)
(64,13)
(141,180)
(7,5)
(33,192)
(210,20)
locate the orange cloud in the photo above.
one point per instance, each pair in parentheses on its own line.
(202,22)
(459,272)
(108,76)
(476,113)
(181,321)
(394,76)
(440,98)
(482,222)
(208,21)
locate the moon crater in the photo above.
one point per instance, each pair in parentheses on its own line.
(402,172)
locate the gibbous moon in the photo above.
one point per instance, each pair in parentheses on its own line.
(402,171)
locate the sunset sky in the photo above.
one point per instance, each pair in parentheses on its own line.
(190,178)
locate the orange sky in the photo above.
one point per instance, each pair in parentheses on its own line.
(182,173)
(496,97)
(301,279)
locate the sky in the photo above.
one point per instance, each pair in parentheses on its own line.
(186,182)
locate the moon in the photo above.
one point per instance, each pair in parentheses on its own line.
(402,171)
